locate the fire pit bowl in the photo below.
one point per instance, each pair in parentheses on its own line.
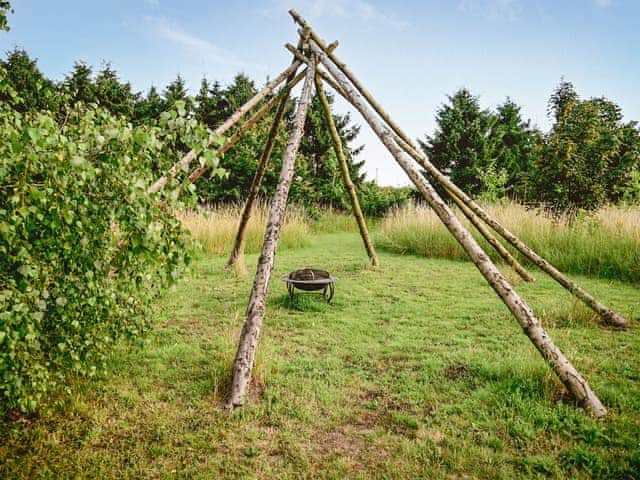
(309,280)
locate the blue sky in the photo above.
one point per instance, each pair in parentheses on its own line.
(410,54)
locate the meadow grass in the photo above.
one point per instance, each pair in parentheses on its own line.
(605,245)
(214,228)
(416,370)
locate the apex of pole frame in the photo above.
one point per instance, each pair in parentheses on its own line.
(298,18)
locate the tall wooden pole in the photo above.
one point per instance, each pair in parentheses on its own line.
(239,242)
(608,315)
(232,120)
(245,355)
(342,160)
(532,327)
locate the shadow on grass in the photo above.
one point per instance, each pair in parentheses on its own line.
(305,302)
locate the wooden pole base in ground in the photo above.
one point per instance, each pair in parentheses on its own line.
(351,189)
(245,356)
(238,244)
(570,377)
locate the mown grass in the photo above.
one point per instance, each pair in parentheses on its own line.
(606,245)
(415,371)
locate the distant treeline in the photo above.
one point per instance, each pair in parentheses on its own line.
(588,158)
(318,180)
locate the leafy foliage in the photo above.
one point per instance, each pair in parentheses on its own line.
(317,167)
(376,201)
(5,7)
(589,156)
(83,246)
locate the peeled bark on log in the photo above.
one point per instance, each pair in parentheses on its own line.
(342,160)
(532,327)
(245,355)
(232,120)
(608,315)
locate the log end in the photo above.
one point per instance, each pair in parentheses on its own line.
(612,319)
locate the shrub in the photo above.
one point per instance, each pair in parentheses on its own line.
(83,247)
(376,201)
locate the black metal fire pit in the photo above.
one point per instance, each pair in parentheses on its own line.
(309,280)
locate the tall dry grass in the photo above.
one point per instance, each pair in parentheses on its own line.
(606,244)
(214,228)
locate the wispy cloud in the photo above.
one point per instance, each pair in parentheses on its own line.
(355,9)
(200,48)
(603,3)
(509,10)
(153,3)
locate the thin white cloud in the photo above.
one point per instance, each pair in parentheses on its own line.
(200,48)
(508,10)
(603,3)
(153,3)
(354,9)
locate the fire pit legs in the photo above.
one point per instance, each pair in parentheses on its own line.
(309,280)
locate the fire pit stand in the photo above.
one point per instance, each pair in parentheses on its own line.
(311,279)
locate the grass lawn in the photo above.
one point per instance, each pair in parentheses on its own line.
(416,370)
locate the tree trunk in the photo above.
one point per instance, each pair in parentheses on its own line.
(232,120)
(245,355)
(567,373)
(608,315)
(351,189)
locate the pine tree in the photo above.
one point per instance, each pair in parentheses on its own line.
(78,85)
(148,109)
(515,149)
(462,146)
(36,92)
(177,91)
(113,95)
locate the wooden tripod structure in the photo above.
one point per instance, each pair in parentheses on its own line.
(323,66)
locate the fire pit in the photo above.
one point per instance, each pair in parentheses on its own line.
(309,280)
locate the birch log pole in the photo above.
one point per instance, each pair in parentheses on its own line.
(342,160)
(245,355)
(232,120)
(570,377)
(608,315)
(239,242)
